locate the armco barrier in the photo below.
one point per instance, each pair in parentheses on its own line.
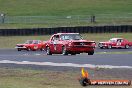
(83,29)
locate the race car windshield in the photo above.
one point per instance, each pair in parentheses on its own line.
(71,37)
(29,42)
(112,40)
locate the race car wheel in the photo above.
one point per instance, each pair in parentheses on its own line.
(91,53)
(109,46)
(64,52)
(28,49)
(127,46)
(19,49)
(100,46)
(48,52)
(42,49)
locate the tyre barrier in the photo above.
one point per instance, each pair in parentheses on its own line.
(80,29)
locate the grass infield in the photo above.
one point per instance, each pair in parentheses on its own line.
(28,78)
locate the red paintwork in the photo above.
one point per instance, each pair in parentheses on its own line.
(31,45)
(115,43)
(72,46)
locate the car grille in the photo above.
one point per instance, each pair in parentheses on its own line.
(82,43)
(19,45)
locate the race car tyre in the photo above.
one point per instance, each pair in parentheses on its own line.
(127,46)
(28,49)
(91,53)
(109,46)
(48,52)
(100,46)
(42,49)
(64,52)
(19,49)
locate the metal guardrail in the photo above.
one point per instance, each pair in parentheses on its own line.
(68,20)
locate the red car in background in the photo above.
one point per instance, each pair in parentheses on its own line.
(31,45)
(115,43)
(69,43)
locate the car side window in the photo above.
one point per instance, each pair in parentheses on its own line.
(35,42)
(39,42)
(119,40)
(122,40)
(30,42)
(55,37)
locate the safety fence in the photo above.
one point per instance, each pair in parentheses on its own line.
(71,20)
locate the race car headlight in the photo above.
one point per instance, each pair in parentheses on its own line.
(70,44)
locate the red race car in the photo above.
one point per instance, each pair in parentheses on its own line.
(31,45)
(115,43)
(69,43)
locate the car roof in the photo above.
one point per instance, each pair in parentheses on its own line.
(116,38)
(33,40)
(66,33)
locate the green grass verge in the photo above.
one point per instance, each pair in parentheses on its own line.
(27,78)
(11,41)
(21,78)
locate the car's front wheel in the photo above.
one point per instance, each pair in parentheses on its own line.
(19,49)
(91,53)
(109,46)
(127,46)
(64,51)
(48,52)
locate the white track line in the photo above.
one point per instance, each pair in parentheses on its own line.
(63,64)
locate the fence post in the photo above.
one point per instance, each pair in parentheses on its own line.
(93,19)
(2,18)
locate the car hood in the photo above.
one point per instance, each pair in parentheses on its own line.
(105,42)
(21,44)
(80,41)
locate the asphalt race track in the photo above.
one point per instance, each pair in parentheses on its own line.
(71,60)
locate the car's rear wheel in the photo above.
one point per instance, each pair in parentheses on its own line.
(19,49)
(127,46)
(48,52)
(91,53)
(42,49)
(100,46)
(64,51)
(109,46)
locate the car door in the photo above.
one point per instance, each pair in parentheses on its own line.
(56,44)
(123,42)
(52,44)
(118,43)
(39,44)
(59,43)
(36,44)
(114,43)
